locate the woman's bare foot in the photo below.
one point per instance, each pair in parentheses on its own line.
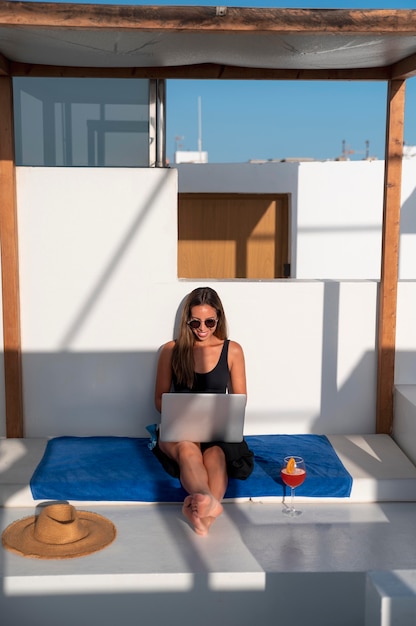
(198,524)
(201,510)
(205,505)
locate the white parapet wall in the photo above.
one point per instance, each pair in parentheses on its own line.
(100,294)
(404,430)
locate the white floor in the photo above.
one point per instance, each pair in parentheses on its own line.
(255,568)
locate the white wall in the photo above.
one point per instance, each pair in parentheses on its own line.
(99,295)
(406,333)
(94,246)
(339,220)
(407,266)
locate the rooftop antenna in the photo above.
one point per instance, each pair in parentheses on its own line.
(346,150)
(199,129)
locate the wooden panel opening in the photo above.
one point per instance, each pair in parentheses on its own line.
(233,235)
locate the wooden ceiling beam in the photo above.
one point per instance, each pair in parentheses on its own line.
(406,68)
(205,18)
(199,71)
(4,66)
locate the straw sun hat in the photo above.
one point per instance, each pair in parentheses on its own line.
(59,532)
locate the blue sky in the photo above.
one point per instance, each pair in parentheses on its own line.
(243,120)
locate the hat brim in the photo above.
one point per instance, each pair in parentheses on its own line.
(19,538)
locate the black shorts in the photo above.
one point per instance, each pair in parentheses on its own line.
(238,456)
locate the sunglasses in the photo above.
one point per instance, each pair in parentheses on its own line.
(209,323)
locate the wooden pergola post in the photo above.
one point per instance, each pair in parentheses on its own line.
(390,255)
(10,266)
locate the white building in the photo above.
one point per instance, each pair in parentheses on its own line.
(191,156)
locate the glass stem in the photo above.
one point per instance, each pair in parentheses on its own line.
(292,499)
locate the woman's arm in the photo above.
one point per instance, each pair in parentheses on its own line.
(164,373)
(236,364)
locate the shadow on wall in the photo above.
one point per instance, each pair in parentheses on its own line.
(87,394)
(90,394)
(408,215)
(360,389)
(112,394)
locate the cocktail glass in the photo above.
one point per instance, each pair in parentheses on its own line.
(293,473)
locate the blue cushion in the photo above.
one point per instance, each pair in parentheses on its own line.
(124,469)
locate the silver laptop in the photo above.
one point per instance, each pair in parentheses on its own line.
(202,417)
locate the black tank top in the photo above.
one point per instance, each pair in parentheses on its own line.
(215,381)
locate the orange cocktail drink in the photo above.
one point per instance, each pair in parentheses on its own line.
(293,473)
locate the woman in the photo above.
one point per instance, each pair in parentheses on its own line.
(202,359)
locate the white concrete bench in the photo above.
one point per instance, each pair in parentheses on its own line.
(381,472)
(391,598)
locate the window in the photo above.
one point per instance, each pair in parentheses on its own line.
(225,235)
(83,122)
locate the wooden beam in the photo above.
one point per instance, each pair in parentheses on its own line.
(390,256)
(197,18)
(10,266)
(4,66)
(199,71)
(406,68)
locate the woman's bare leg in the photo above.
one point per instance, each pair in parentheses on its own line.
(208,506)
(204,477)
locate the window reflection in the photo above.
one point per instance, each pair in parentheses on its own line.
(87,122)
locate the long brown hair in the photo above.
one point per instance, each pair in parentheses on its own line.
(183,356)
